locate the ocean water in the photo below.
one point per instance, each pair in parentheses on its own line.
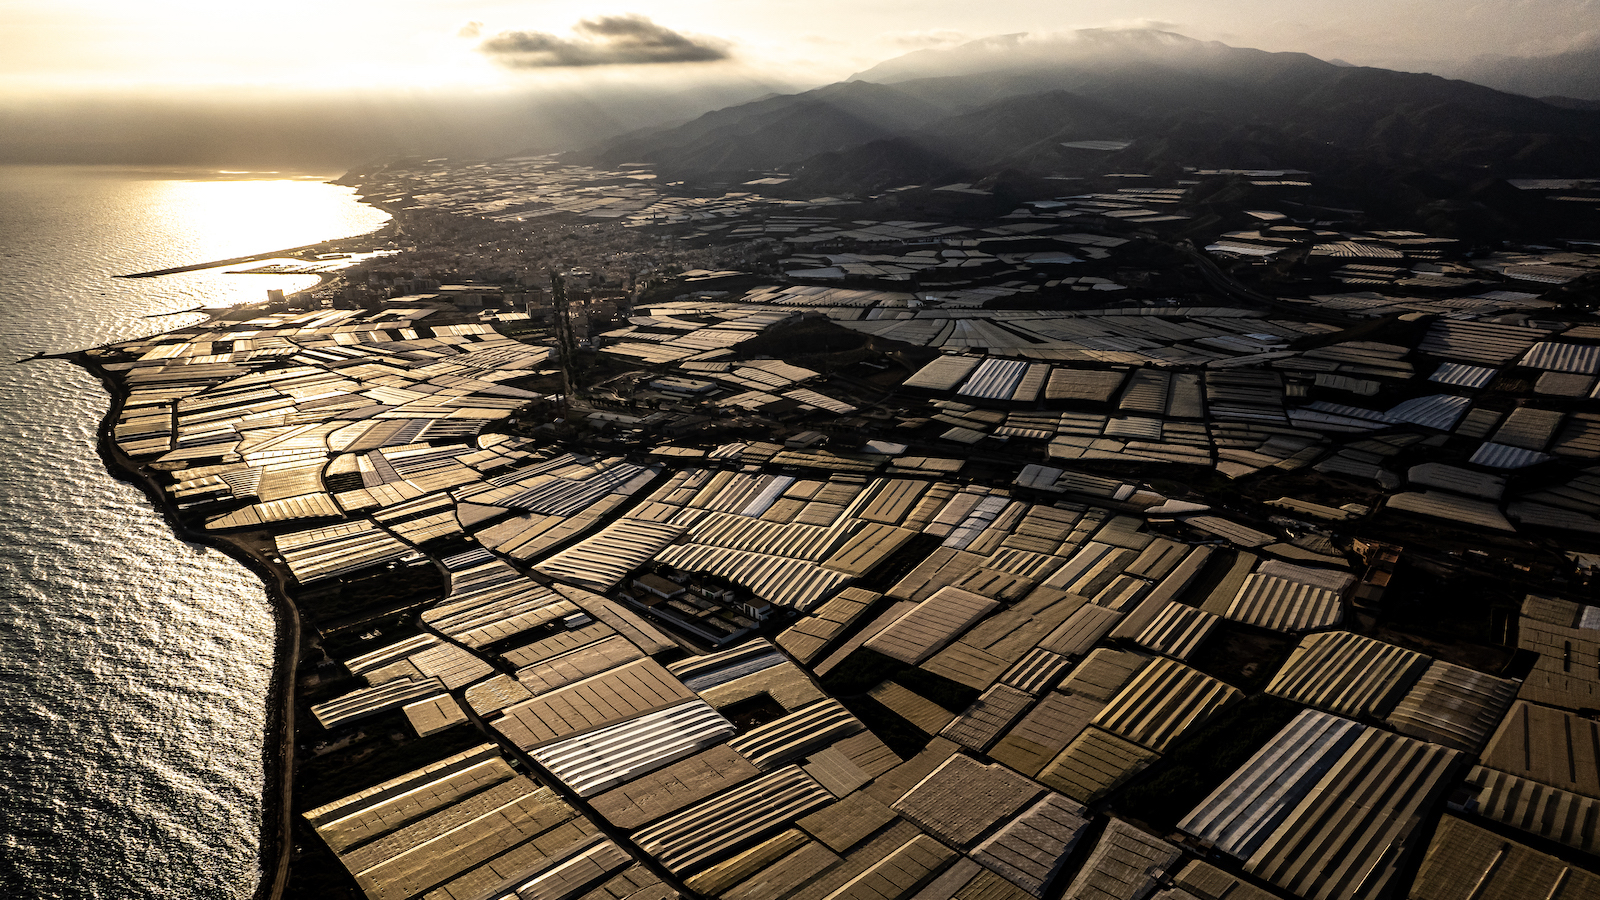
(134,667)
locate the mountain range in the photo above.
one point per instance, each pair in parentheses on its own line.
(1571,77)
(1130,101)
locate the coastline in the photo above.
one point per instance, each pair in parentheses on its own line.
(278,745)
(276,838)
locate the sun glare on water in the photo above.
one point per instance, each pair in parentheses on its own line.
(207,216)
(220,219)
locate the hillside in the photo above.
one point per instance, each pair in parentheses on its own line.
(1008,104)
(1574,74)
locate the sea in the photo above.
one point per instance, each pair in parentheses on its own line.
(134,667)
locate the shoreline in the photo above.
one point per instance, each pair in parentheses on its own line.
(275,843)
(278,745)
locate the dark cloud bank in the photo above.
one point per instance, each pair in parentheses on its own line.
(604,41)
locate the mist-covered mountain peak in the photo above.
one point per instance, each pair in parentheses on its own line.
(1037,50)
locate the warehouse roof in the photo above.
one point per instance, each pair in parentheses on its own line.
(1280,604)
(718,827)
(898,872)
(1559,678)
(1046,731)
(494,840)
(667,790)
(1125,863)
(1551,746)
(630,690)
(1162,701)
(1454,478)
(1030,849)
(1347,674)
(1539,809)
(1177,631)
(1465,860)
(921,712)
(606,757)
(963,799)
(936,621)
(1347,838)
(797,734)
(1103,673)
(383,807)
(1081,630)
(846,823)
(1207,882)
(602,561)
(1453,706)
(1245,810)
(1093,764)
(1451,507)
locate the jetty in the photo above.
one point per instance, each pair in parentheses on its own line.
(256,257)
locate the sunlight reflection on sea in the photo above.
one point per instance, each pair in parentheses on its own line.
(133,666)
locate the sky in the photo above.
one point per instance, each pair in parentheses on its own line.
(328,83)
(111,46)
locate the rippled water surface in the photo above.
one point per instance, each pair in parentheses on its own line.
(133,666)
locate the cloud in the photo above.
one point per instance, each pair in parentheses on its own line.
(603,41)
(471,30)
(1142,25)
(919,39)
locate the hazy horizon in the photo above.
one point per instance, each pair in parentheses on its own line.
(172,83)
